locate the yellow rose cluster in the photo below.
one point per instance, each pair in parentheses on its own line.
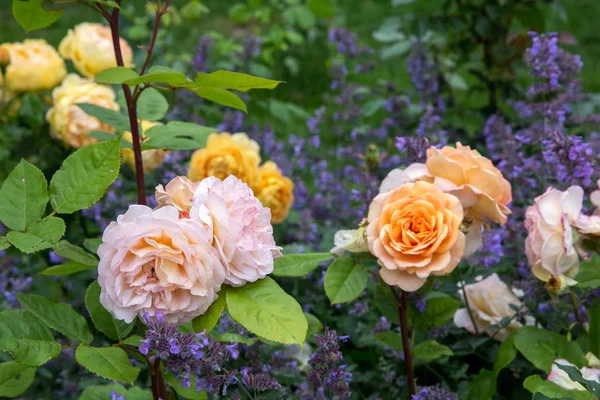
(33,65)
(236,154)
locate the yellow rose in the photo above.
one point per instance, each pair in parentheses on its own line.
(226,154)
(33,65)
(70,123)
(90,47)
(275,191)
(473,178)
(151,159)
(414,231)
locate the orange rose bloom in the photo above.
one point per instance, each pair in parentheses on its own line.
(275,191)
(414,231)
(226,154)
(472,178)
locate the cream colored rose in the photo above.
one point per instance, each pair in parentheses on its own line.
(595,198)
(90,47)
(472,178)
(151,158)
(275,191)
(561,378)
(354,241)
(549,244)
(153,261)
(490,301)
(178,193)
(34,65)
(588,224)
(71,124)
(414,231)
(226,154)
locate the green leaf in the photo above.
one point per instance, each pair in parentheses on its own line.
(67,268)
(152,105)
(110,117)
(31,15)
(134,340)
(430,350)
(240,13)
(102,392)
(314,325)
(40,235)
(542,347)
(438,311)
(506,354)
(398,49)
(137,393)
(345,280)
(29,341)
(109,3)
(535,384)
(23,196)
(266,310)
(177,136)
(456,81)
(230,337)
(116,75)
(322,8)
(232,81)
(15,378)
(107,362)
(4,243)
(102,319)
(84,176)
(187,393)
(92,244)
(299,264)
(75,253)
(223,97)
(160,74)
(384,300)
(209,319)
(390,339)
(483,386)
(594,330)
(60,317)
(589,273)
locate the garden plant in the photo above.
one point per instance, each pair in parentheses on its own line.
(299,199)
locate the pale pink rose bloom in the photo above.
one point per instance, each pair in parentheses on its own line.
(588,224)
(242,228)
(153,261)
(549,244)
(561,378)
(595,198)
(490,302)
(178,193)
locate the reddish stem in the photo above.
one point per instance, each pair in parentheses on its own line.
(401,302)
(131,109)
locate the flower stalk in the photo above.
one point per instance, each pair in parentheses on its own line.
(402,304)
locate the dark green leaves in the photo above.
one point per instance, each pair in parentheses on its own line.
(299,264)
(542,347)
(60,317)
(209,319)
(177,136)
(232,81)
(40,235)
(107,362)
(110,117)
(31,15)
(75,253)
(345,280)
(535,384)
(222,97)
(266,310)
(84,176)
(430,350)
(594,331)
(116,75)
(103,320)
(438,311)
(589,273)
(24,336)
(23,196)
(152,105)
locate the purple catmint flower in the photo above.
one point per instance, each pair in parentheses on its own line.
(201,56)
(115,396)
(344,40)
(571,159)
(424,74)
(434,393)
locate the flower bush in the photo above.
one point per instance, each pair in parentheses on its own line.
(408,209)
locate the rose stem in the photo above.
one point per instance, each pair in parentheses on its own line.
(576,310)
(401,303)
(131,108)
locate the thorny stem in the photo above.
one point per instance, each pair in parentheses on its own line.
(401,303)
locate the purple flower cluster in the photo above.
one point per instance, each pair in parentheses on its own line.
(326,376)
(12,282)
(434,393)
(572,160)
(189,355)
